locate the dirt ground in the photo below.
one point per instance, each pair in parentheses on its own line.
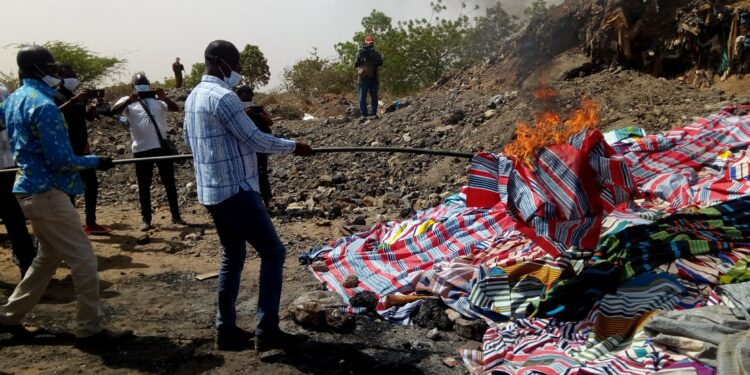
(152,289)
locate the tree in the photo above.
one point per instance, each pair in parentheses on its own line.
(490,31)
(317,75)
(254,66)
(91,68)
(194,77)
(536,9)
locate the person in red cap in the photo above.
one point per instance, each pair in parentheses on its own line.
(367,63)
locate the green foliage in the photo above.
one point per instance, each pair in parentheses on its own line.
(536,9)
(255,71)
(91,68)
(416,52)
(10,81)
(194,77)
(319,75)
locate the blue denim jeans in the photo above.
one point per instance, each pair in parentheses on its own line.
(368,85)
(240,219)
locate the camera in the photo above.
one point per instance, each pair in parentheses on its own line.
(96,94)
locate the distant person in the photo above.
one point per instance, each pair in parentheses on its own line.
(263,121)
(146,112)
(177,68)
(224,143)
(10,212)
(368,63)
(47,177)
(77,109)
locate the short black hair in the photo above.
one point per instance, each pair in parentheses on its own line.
(245,90)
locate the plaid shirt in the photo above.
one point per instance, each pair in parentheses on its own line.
(224,141)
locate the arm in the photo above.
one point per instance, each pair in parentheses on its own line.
(122,104)
(55,142)
(171,106)
(358,60)
(77,98)
(231,114)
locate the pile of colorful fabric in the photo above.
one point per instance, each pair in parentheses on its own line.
(591,261)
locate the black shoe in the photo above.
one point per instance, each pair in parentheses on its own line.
(278,340)
(145,226)
(17,330)
(104,338)
(233,339)
(177,220)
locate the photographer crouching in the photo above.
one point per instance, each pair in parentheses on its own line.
(77,109)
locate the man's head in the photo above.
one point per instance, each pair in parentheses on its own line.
(177,59)
(69,77)
(140,82)
(222,58)
(36,62)
(245,93)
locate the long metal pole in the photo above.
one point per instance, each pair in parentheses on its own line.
(323,150)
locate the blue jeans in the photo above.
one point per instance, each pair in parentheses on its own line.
(368,85)
(240,219)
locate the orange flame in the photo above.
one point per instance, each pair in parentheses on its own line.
(549,129)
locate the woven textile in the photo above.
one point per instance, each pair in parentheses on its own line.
(560,202)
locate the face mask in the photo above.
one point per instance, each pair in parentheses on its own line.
(51,81)
(70,83)
(247,105)
(142,88)
(234,78)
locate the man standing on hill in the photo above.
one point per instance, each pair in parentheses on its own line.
(76,110)
(177,68)
(367,63)
(48,175)
(224,142)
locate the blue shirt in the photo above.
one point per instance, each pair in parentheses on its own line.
(39,141)
(224,141)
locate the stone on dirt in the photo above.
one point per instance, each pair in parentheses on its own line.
(432,315)
(470,329)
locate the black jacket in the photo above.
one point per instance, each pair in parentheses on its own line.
(368,53)
(75,116)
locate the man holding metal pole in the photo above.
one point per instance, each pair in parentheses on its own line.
(48,174)
(224,142)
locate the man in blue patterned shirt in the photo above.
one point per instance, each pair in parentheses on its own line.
(48,174)
(224,142)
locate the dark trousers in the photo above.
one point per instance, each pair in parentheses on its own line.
(368,85)
(178,80)
(263,180)
(239,220)
(144,173)
(15,223)
(91,186)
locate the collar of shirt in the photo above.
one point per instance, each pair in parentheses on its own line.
(217,80)
(41,86)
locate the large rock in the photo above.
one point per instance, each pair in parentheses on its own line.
(432,315)
(320,310)
(470,329)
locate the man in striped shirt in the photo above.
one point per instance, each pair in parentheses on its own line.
(224,142)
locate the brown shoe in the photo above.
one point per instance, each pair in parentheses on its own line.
(278,340)
(233,339)
(104,338)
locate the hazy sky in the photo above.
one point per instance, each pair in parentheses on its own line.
(151,33)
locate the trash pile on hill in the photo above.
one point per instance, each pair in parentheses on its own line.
(591,257)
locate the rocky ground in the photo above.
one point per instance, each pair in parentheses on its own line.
(151,286)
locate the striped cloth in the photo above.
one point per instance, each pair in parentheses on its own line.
(608,341)
(560,202)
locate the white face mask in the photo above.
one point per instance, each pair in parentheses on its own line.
(142,88)
(247,105)
(233,80)
(51,81)
(71,83)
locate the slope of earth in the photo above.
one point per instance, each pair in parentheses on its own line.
(151,287)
